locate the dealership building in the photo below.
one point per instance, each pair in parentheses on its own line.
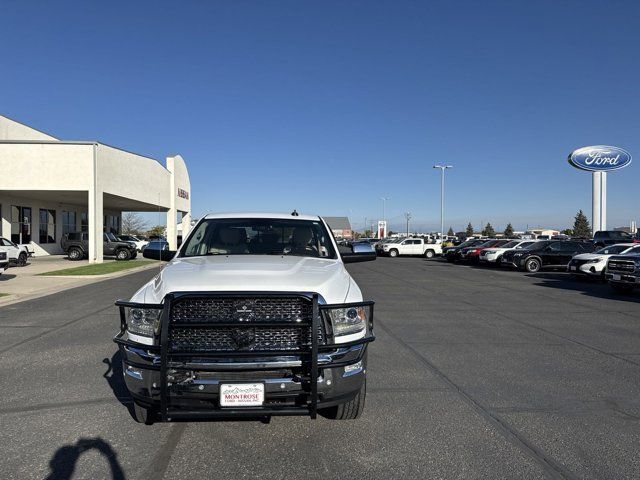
(49,187)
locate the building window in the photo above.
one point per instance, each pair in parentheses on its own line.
(68,222)
(20,224)
(84,222)
(112,224)
(47,226)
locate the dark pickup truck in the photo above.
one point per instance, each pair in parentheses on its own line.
(623,272)
(76,246)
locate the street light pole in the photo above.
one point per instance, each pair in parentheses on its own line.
(442,169)
(407,215)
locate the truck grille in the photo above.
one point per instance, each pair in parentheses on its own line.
(253,316)
(229,309)
(242,338)
(626,266)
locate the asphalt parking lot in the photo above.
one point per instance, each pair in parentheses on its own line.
(476,373)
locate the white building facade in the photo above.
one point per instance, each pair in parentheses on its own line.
(49,187)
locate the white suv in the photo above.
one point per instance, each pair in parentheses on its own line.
(16,254)
(254,315)
(594,264)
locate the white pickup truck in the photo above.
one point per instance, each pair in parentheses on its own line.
(412,246)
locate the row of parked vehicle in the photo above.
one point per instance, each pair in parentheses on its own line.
(604,257)
(122,247)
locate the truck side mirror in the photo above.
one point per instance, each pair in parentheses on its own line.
(360,252)
(162,255)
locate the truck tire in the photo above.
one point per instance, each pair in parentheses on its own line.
(143,415)
(393,253)
(122,254)
(429,254)
(621,288)
(22,259)
(532,265)
(349,410)
(75,254)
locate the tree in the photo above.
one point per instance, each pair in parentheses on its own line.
(133,223)
(450,232)
(581,227)
(488,231)
(469,231)
(508,232)
(157,231)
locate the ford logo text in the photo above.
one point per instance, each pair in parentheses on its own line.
(600,158)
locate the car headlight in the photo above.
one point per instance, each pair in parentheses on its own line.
(350,319)
(490,252)
(595,260)
(143,321)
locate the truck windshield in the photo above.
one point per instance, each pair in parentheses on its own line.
(260,236)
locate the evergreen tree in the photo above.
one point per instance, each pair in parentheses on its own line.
(450,232)
(488,231)
(469,231)
(581,227)
(508,232)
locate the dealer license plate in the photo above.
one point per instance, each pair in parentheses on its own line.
(241,394)
(617,277)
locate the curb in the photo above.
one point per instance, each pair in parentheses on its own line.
(18,298)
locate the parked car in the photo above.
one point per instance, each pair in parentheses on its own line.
(452,253)
(157,247)
(16,254)
(4,262)
(623,272)
(411,246)
(76,246)
(254,315)
(472,254)
(493,255)
(611,237)
(140,243)
(594,264)
(546,254)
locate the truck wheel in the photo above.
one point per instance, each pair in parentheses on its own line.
(393,253)
(75,254)
(429,254)
(621,288)
(122,254)
(349,410)
(22,259)
(532,265)
(142,414)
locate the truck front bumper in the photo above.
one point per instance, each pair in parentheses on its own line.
(186,384)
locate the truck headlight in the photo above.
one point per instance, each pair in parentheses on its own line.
(143,321)
(349,320)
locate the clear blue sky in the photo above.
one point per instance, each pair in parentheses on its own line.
(326,106)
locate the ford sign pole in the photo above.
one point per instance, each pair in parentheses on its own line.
(442,169)
(599,159)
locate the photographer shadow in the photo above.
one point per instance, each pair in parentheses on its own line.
(63,463)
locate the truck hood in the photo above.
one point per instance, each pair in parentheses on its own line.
(252,273)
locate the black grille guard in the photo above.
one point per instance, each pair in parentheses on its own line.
(308,355)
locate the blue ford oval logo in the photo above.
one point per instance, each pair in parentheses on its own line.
(600,158)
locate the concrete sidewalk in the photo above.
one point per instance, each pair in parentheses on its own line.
(24,283)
